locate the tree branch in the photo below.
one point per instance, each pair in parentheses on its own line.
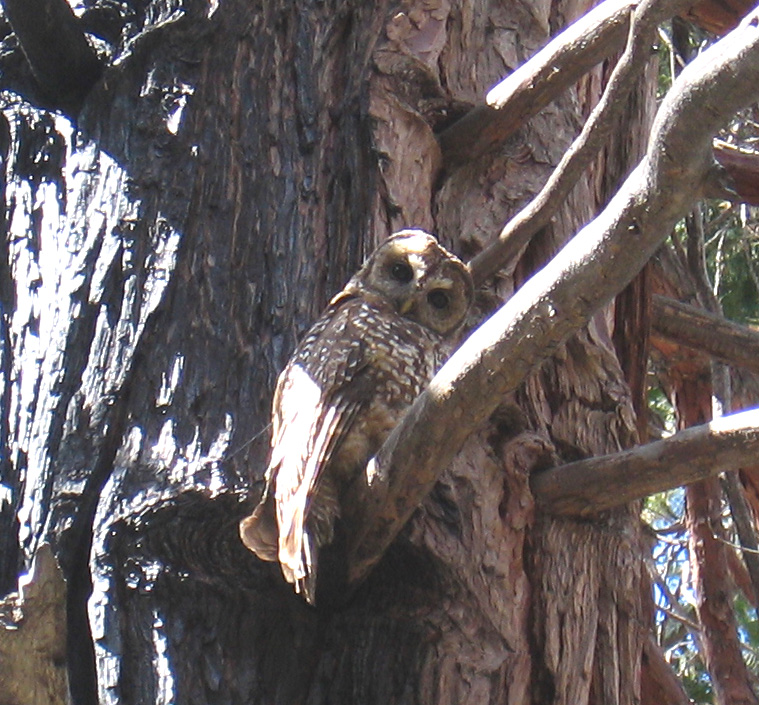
(714,335)
(61,59)
(586,274)
(588,486)
(566,58)
(536,83)
(517,233)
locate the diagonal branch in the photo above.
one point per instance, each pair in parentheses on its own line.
(561,299)
(536,83)
(517,233)
(565,59)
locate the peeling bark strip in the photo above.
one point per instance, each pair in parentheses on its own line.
(698,452)
(61,58)
(730,342)
(609,251)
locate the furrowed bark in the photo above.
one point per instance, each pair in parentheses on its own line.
(517,233)
(550,307)
(33,637)
(709,564)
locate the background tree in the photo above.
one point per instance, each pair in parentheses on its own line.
(181,201)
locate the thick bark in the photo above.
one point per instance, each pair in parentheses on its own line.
(538,82)
(602,121)
(730,678)
(556,302)
(693,388)
(33,637)
(660,685)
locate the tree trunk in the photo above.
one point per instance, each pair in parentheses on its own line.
(224,178)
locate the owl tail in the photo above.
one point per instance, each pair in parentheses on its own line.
(259,531)
(309,531)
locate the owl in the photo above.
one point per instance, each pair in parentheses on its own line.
(346,386)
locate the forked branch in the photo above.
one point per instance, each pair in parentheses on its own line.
(536,83)
(518,232)
(549,308)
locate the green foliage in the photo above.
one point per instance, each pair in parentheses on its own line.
(731,253)
(732,258)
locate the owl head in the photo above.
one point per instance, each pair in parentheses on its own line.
(419,279)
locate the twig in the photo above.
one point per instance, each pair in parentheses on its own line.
(736,546)
(689,623)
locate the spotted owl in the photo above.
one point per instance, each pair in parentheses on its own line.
(346,386)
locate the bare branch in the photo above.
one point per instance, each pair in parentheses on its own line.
(62,61)
(714,335)
(698,452)
(558,301)
(536,83)
(566,58)
(517,233)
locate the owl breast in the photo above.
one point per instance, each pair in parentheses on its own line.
(399,358)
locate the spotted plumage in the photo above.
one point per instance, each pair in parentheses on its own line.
(345,387)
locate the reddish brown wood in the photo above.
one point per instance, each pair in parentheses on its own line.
(710,565)
(659,684)
(742,169)
(719,16)
(705,333)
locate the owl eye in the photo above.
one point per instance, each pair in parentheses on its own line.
(402,272)
(438,298)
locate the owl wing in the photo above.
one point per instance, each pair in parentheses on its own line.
(321,392)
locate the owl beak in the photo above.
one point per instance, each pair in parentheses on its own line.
(405,306)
